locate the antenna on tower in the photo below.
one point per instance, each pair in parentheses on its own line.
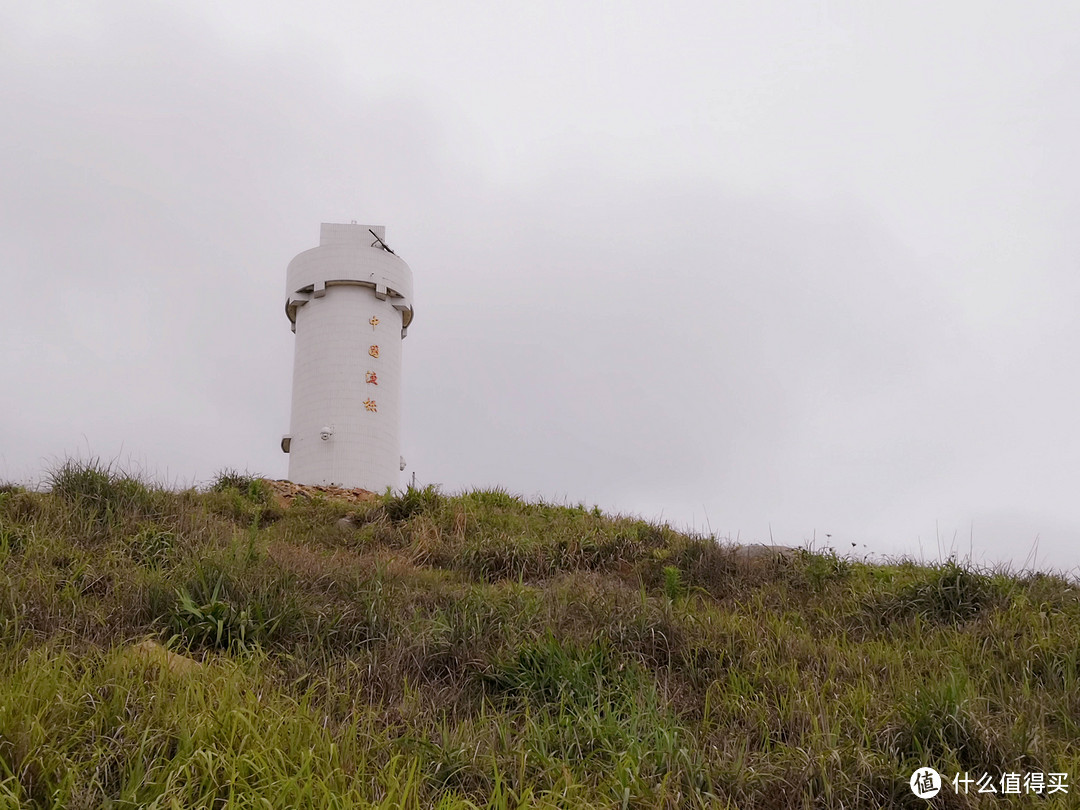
(379,242)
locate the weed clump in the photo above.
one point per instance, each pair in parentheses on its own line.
(153,545)
(413,501)
(12,540)
(19,506)
(821,569)
(942,594)
(549,671)
(243,498)
(104,495)
(250,486)
(944,722)
(215,610)
(674,587)
(497,498)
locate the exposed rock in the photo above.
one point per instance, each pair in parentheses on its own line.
(285,492)
(151,652)
(760,551)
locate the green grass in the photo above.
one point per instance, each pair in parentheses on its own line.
(476,650)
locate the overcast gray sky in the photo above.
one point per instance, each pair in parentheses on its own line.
(804,267)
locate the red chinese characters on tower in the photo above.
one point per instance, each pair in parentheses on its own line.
(371,378)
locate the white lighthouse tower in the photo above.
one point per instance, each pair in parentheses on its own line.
(350,304)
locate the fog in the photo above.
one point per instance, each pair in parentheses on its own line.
(799,271)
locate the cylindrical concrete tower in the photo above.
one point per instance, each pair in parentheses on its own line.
(350,303)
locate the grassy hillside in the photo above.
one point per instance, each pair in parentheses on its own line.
(480,651)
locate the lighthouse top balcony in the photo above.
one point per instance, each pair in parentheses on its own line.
(349,254)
